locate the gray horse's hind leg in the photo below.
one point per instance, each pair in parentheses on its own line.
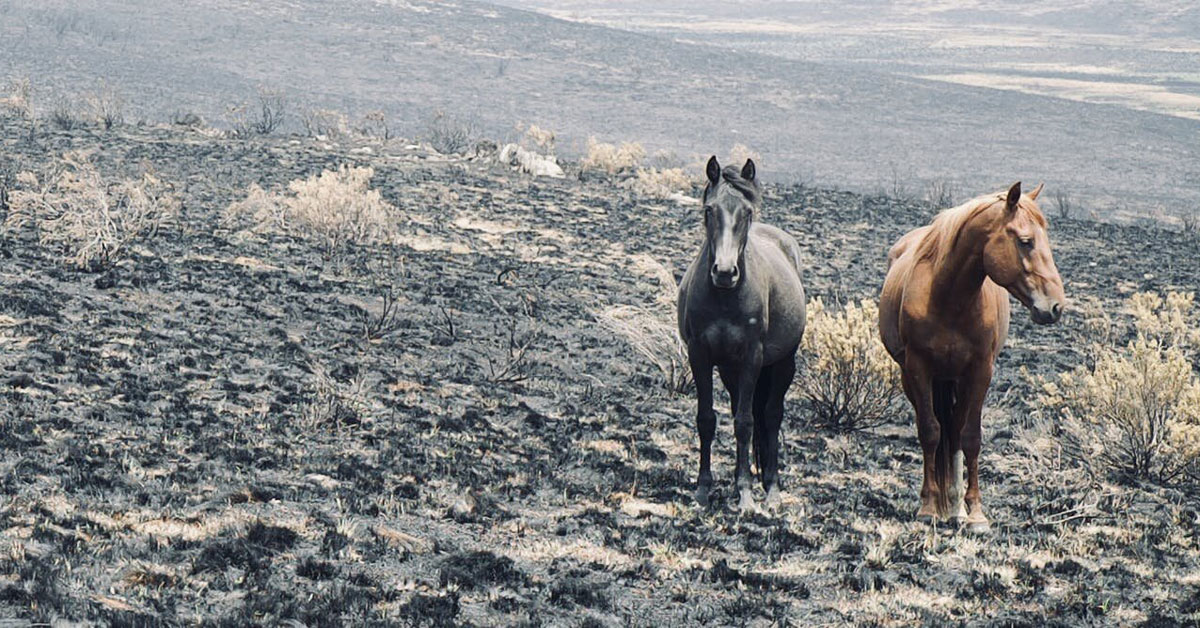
(781,375)
(762,393)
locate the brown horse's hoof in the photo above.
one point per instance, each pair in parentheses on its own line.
(978,526)
(927,514)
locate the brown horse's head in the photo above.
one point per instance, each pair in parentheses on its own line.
(1017,256)
(729,201)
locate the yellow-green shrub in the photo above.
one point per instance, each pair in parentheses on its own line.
(1136,411)
(844,372)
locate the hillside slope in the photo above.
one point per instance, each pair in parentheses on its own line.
(847,126)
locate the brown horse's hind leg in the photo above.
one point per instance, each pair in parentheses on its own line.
(706,422)
(974,393)
(918,386)
(781,376)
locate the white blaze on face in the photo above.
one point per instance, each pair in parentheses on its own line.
(726,250)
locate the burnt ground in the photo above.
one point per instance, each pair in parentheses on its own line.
(205,434)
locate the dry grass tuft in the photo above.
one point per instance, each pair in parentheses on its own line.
(89,221)
(660,184)
(844,372)
(19,101)
(337,208)
(612,159)
(651,330)
(1136,410)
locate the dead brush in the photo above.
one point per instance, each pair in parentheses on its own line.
(105,106)
(651,330)
(89,222)
(19,101)
(336,208)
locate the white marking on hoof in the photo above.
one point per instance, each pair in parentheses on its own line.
(746,503)
(774,499)
(958,491)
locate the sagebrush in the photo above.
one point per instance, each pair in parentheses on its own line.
(336,208)
(89,221)
(844,372)
(612,159)
(1135,412)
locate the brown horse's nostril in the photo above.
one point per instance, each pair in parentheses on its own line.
(1056,310)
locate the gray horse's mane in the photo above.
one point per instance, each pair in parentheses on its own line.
(733,176)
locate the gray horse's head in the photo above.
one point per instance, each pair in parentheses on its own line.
(730,199)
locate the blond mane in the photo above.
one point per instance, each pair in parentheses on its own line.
(943,232)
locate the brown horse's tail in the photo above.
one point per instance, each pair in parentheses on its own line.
(943,409)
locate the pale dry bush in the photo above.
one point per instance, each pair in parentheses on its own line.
(612,159)
(105,107)
(651,330)
(739,153)
(336,208)
(326,123)
(540,139)
(19,101)
(88,221)
(844,372)
(660,184)
(1136,410)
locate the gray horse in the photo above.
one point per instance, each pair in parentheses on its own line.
(741,309)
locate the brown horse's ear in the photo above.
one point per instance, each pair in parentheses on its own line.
(1038,190)
(713,170)
(1014,197)
(748,170)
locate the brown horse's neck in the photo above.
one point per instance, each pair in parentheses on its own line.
(958,279)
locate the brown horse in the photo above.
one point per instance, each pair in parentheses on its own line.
(944,317)
(741,309)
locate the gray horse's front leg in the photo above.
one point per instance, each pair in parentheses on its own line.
(706,423)
(743,426)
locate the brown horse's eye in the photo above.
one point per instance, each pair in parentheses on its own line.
(1026,243)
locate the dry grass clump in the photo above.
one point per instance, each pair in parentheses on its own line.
(612,159)
(449,135)
(651,331)
(1136,410)
(336,208)
(844,373)
(325,123)
(660,184)
(19,101)
(539,139)
(105,107)
(89,221)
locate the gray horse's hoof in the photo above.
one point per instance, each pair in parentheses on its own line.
(702,497)
(746,502)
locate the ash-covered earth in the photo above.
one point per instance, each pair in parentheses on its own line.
(209,432)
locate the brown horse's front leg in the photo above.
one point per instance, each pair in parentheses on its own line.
(743,425)
(918,387)
(706,420)
(974,391)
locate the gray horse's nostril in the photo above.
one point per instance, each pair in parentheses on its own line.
(715,270)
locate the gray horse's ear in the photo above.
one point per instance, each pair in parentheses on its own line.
(713,170)
(1014,197)
(748,170)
